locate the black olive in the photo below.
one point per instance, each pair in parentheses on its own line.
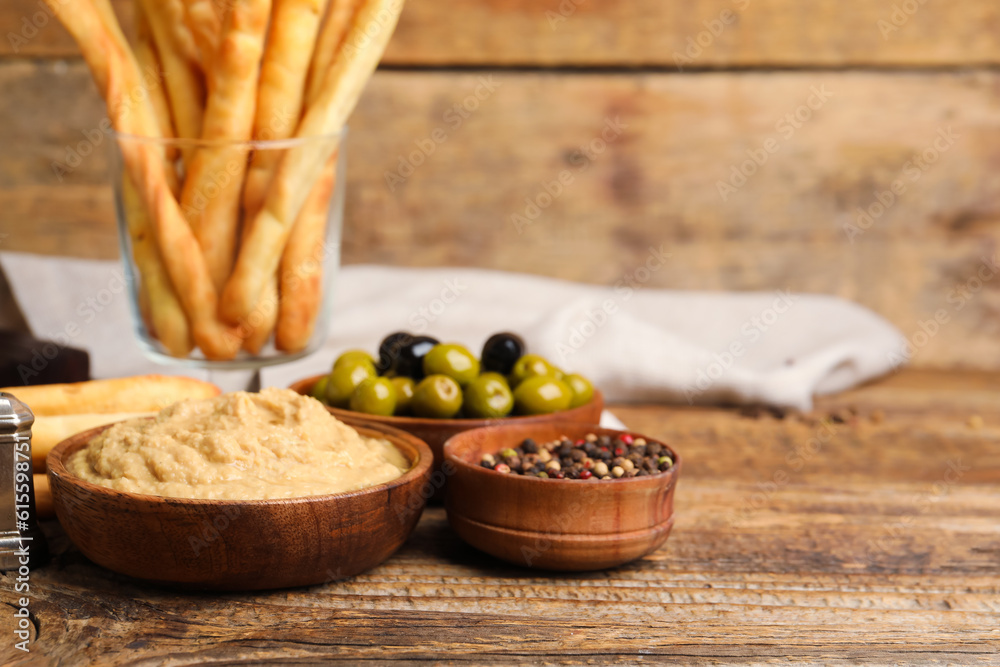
(410,361)
(501,351)
(389,350)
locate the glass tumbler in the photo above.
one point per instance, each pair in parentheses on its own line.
(230,249)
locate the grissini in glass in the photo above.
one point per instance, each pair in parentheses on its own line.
(292,316)
(209,210)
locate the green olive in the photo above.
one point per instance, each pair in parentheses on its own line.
(318,390)
(404,393)
(541,395)
(488,397)
(437,396)
(352,357)
(344,379)
(452,360)
(530,365)
(374,396)
(583,391)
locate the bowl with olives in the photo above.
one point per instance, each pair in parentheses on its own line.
(434,390)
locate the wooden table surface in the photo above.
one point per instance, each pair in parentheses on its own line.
(865,531)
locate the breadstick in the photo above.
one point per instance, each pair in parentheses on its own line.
(149,61)
(290,41)
(49,430)
(139,393)
(331,36)
(261,322)
(140,97)
(205,25)
(211,195)
(183,261)
(301,274)
(166,316)
(44,506)
(299,168)
(178,56)
(115,71)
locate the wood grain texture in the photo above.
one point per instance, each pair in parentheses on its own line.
(654,185)
(787,33)
(868,555)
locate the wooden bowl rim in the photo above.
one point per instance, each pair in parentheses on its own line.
(419,468)
(666,479)
(304,385)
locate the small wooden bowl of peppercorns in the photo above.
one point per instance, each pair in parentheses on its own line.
(563,496)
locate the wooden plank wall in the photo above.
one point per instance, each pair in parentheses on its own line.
(649,111)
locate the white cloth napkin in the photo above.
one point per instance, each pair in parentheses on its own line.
(634,343)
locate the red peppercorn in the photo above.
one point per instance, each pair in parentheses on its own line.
(581,442)
(586,474)
(502,467)
(619,451)
(627,439)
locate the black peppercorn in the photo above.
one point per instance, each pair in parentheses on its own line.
(592,457)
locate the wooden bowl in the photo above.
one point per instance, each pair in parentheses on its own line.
(554,524)
(241,545)
(435,432)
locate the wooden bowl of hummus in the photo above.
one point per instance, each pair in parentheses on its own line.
(292,536)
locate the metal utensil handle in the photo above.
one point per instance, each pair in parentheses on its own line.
(19,531)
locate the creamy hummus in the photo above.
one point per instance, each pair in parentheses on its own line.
(238,446)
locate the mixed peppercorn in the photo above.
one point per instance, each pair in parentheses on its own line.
(590,458)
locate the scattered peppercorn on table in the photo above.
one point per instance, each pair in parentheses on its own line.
(865,531)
